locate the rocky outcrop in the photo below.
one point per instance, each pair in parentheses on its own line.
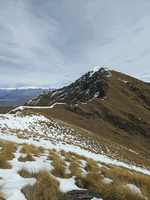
(86,88)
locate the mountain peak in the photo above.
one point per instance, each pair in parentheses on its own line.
(88,87)
(102,70)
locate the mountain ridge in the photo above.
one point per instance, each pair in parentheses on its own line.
(121,114)
(87,87)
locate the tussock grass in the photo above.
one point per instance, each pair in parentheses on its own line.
(3,194)
(77,156)
(28,157)
(74,167)
(46,187)
(32,149)
(91,165)
(7,154)
(92,141)
(118,192)
(24,113)
(92,180)
(25,173)
(3,162)
(63,153)
(21,136)
(59,166)
(115,190)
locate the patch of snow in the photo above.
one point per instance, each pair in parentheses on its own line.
(95,95)
(67,185)
(34,107)
(122,80)
(84,162)
(134,190)
(95,69)
(94,198)
(60,91)
(87,92)
(109,74)
(107,181)
(45,92)
(53,94)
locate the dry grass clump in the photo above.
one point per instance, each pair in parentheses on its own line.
(21,136)
(3,162)
(77,156)
(25,173)
(3,193)
(28,157)
(74,167)
(122,175)
(32,149)
(115,190)
(142,181)
(59,166)
(90,182)
(45,187)
(69,158)
(63,153)
(24,113)
(91,166)
(7,154)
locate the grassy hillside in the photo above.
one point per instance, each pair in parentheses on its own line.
(98,149)
(122,117)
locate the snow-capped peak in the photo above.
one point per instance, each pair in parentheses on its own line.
(97,68)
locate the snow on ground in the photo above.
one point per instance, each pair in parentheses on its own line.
(66,186)
(107,181)
(34,107)
(35,124)
(12,125)
(135,190)
(103,69)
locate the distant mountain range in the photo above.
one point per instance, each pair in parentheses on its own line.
(16,97)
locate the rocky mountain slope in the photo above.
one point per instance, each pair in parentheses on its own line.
(86,88)
(107,103)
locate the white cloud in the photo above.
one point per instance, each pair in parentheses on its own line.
(12,61)
(40,38)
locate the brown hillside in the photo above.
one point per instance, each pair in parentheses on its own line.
(123,116)
(6,109)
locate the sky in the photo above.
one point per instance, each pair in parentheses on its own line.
(51,43)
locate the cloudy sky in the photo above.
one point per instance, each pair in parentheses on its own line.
(51,43)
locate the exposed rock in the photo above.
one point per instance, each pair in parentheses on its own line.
(79,194)
(86,88)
